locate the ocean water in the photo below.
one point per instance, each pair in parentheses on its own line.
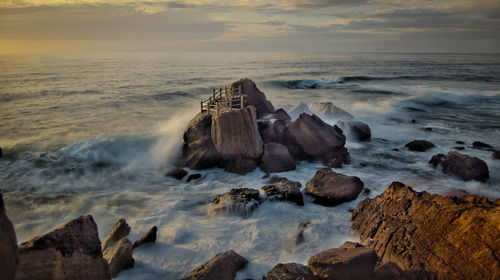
(95,133)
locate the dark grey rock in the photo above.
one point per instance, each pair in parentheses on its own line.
(277,158)
(221,267)
(148,237)
(195,176)
(282,189)
(461,166)
(482,146)
(420,145)
(329,188)
(290,271)
(177,173)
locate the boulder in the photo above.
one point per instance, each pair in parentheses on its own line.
(8,245)
(177,173)
(482,146)
(199,151)
(461,166)
(310,138)
(329,111)
(148,237)
(72,251)
(195,176)
(254,97)
(419,145)
(329,188)
(119,230)
(456,237)
(290,271)
(355,130)
(240,201)
(276,158)
(221,267)
(236,137)
(268,132)
(297,110)
(389,271)
(344,263)
(282,189)
(119,257)
(496,154)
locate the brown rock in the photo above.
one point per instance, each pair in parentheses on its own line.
(389,271)
(254,97)
(290,271)
(119,230)
(329,188)
(276,158)
(329,111)
(461,166)
(456,237)
(119,257)
(344,263)
(240,201)
(72,251)
(8,245)
(221,267)
(268,132)
(355,130)
(282,189)
(148,237)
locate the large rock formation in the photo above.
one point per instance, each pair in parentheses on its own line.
(355,130)
(72,251)
(221,267)
(329,188)
(282,189)
(329,111)
(254,97)
(457,237)
(461,166)
(276,158)
(290,271)
(8,245)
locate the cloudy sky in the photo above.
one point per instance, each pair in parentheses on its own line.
(31,26)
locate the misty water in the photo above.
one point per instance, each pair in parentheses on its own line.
(96,133)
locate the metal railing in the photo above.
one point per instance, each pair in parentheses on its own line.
(223,99)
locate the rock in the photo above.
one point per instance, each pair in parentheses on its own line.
(344,263)
(355,130)
(482,146)
(8,245)
(299,237)
(297,110)
(254,97)
(282,189)
(119,257)
(241,201)
(278,115)
(193,177)
(413,121)
(389,271)
(119,230)
(426,128)
(419,145)
(461,166)
(329,188)
(148,237)
(290,271)
(460,142)
(276,158)
(457,237)
(459,148)
(1,152)
(350,244)
(199,151)
(329,111)
(177,173)
(496,154)
(221,267)
(72,251)
(236,137)
(268,132)
(310,138)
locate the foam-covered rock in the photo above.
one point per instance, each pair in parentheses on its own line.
(461,166)
(240,201)
(355,130)
(329,111)
(298,109)
(282,189)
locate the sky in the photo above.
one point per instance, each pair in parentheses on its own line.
(59,26)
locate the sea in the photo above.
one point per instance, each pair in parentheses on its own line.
(96,133)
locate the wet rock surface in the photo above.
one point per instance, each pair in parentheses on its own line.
(221,267)
(420,145)
(177,173)
(282,189)
(481,146)
(330,188)
(8,245)
(290,271)
(355,130)
(148,237)
(454,237)
(119,230)
(119,257)
(277,158)
(329,111)
(461,166)
(496,154)
(240,201)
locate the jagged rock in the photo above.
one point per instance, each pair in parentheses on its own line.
(119,257)
(329,111)
(241,201)
(290,271)
(482,146)
(297,110)
(344,263)
(195,176)
(282,189)
(278,115)
(254,97)
(458,148)
(8,245)
(329,188)
(389,271)
(148,237)
(350,244)
(199,151)
(420,145)
(221,267)
(268,132)
(177,173)
(496,154)
(309,137)
(236,137)
(276,158)
(72,251)
(456,237)
(355,130)
(461,166)
(119,230)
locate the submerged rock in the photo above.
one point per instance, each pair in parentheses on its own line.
(72,251)
(290,271)
(240,201)
(119,230)
(461,166)
(221,267)
(254,97)
(282,189)
(329,188)
(276,158)
(8,245)
(457,237)
(329,111)
(355,130)
(119,257)
(177,173)
(192,177)
(148,237)
(299,109)
(496,154)
(482,146)
(420,145)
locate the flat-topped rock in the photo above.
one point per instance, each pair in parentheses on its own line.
(221,267)
(276,158)
(282,189)
(240,201)
(330,188)
(329,111)
(290,271)
(461,166)
(8,245)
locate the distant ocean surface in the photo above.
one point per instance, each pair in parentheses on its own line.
(96,133)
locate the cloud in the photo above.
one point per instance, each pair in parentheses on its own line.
(314,4)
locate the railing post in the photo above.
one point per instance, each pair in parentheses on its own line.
(241,106)
(239,88)
(201,106)
(213,93)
